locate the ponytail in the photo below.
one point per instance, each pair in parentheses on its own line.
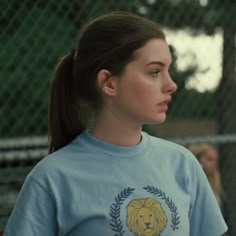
(64,120)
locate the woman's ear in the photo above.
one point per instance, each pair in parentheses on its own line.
(107,83)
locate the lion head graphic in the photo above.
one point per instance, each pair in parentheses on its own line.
(145,217)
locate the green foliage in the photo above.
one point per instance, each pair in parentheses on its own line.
(200,106)
(189,14)
(104,6)
(29,55)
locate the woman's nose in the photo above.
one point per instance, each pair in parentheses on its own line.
(171,86)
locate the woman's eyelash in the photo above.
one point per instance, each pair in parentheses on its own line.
(155,73)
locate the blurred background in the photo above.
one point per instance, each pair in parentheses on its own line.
(202,38)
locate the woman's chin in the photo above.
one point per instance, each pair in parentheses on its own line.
(158,120)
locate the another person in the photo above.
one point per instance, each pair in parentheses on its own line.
(207,155)
(107,177)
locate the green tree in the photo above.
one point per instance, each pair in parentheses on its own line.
(31,49)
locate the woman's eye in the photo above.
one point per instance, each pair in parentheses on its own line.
(155,73)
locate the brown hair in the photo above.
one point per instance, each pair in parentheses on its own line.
(107,42)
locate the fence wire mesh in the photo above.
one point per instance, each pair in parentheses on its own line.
(201,33)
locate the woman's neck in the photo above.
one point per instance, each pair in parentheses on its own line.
(114,130)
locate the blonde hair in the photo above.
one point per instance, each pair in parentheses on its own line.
(214,179)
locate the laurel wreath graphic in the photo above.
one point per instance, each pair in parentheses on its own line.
(116,224)
(175,218)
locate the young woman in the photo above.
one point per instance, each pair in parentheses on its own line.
(106,177)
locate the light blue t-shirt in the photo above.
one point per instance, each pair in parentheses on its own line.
(92,188)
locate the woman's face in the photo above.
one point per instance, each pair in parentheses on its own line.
(209,162)
(145,87)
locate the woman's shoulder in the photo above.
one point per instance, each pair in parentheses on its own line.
(165,144)
(54,163)
(172,152)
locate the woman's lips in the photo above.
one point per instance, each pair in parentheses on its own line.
(164,105)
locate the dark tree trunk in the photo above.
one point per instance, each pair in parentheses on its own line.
(227,117)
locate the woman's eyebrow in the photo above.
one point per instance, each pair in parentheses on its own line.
(160,63)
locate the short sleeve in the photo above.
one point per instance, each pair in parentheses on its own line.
(205,215)
(34,212)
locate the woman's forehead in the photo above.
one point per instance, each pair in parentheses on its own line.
(155,50)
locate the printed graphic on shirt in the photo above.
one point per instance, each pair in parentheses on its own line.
(146,216)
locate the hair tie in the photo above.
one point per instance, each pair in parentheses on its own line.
(74,54)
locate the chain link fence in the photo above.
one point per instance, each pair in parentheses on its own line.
(34,34)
